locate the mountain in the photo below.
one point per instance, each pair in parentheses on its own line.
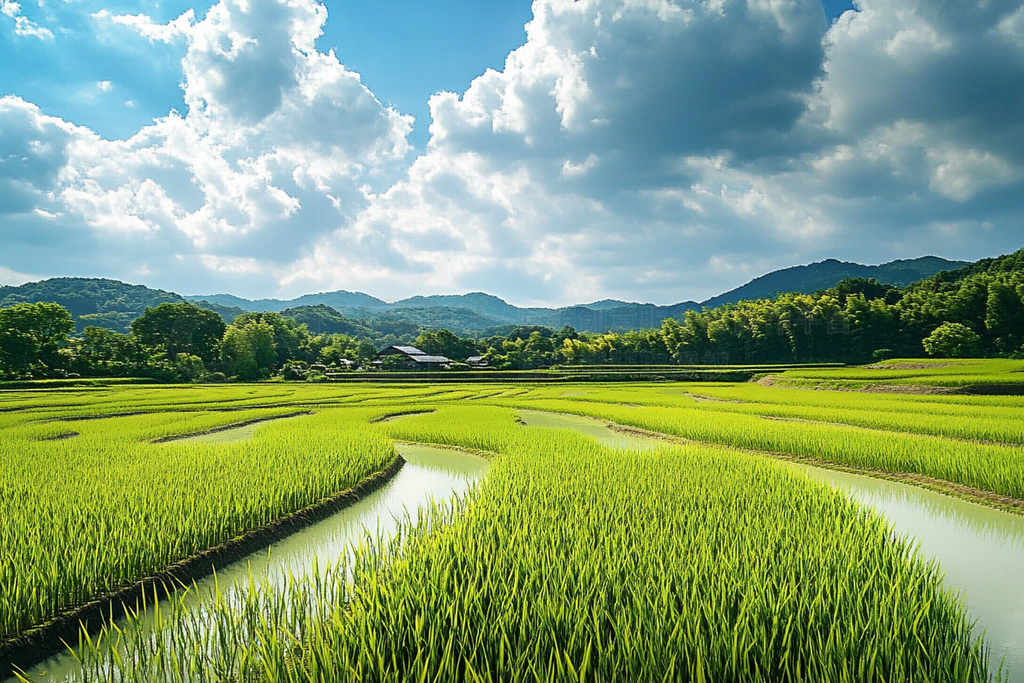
(113,304)
(338,300)
(466,312)
(91,301)
(486,304)
(100,302)
(229,313)
(84,296)
(1007,263)
(825,274)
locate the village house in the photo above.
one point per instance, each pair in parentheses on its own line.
(411,358)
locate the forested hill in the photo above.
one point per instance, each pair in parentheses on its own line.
(974,310)
(87,296)
(99,302)
(113,305)
(824,274)
(339,300)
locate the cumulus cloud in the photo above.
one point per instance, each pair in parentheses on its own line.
(23,26)
(144,25)
(566,167)
(280,144)
(647,149)
(656,149)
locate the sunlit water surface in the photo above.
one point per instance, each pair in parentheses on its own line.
(980,549)
(429,474)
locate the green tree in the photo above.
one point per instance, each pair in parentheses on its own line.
(180,328)
(365,351)
(1004,316)
(289,336)
(248,347)
(32,336)
(445,343)
(103,352)
(539,350)
(951,340)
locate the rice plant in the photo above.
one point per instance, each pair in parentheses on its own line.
(576,562)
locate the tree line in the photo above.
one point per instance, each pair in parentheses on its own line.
(977,310)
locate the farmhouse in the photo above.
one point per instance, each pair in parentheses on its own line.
(412,358)
(477,362)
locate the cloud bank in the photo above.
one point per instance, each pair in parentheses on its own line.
(640,149)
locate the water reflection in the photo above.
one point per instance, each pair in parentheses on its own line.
(980,549)
(588,426)
(430,474)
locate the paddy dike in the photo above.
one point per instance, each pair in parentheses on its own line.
(49,638)
(239,431)
(420,475)
(979,548)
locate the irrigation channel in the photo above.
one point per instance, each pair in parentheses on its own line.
(429,474)
(980,549)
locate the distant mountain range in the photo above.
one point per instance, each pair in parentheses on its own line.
(114,304)
(825,274)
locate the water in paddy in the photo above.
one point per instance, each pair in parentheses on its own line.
(234,434)
(428,474)
(598,429)
(980,549)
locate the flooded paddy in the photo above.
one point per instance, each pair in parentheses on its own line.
(605,434)
(430,474)
(232,434)
(980,549)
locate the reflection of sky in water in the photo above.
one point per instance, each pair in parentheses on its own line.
(429,474)
(587,426)
(980,549)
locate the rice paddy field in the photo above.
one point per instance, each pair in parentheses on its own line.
(703,556)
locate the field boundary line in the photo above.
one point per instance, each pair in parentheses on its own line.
(490,455)
(224,428)
(886,430)
(949,488)
(52,637)
(403,413)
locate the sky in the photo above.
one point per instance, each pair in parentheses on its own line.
(549,153)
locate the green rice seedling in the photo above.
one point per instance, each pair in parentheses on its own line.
(83,516)
(995,468)
(576,562)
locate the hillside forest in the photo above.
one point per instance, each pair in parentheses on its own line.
(976,310)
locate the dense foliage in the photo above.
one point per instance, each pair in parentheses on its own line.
(571,561)
(976,310)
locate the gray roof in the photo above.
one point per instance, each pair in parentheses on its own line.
(408,350)
(430,359)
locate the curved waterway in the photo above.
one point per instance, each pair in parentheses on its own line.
(980,549)
(429,474)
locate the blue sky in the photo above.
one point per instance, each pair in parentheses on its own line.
(655,150)
(405,50)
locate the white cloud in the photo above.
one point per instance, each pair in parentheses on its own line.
(278,146)
(23,26)
(143,24)
(646,149)
(13,278)
(633,148)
